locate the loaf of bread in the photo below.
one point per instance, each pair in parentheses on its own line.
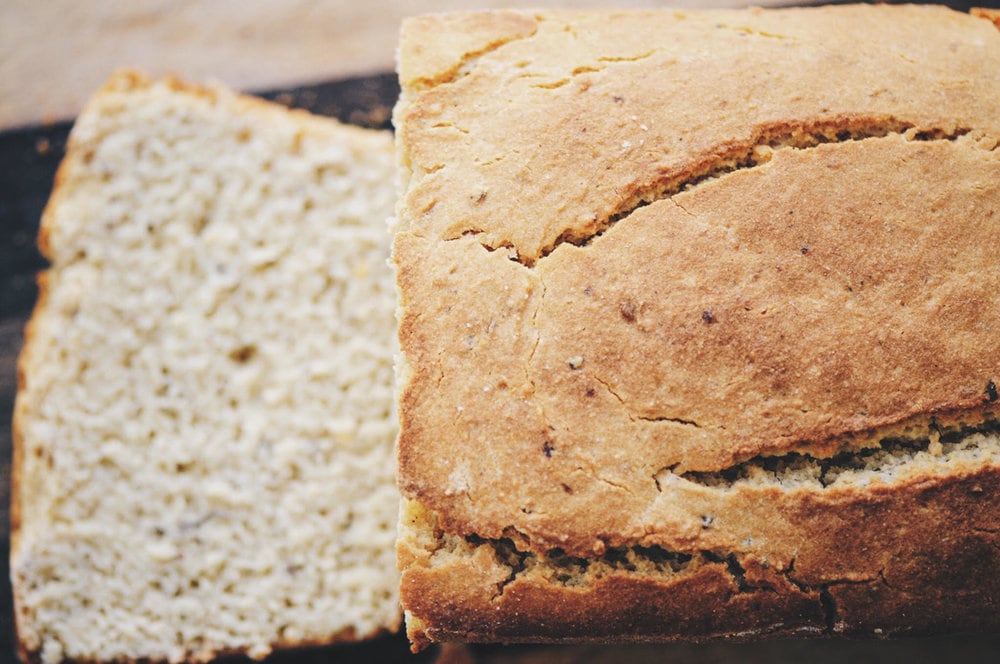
(698,324)
(205,422)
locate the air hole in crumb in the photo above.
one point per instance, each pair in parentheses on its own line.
(547,449)
(627,311)
(662,557)
(567,488)
(708,316)
(991,391)
(243,354)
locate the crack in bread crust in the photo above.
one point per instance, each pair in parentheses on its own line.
(884,462)
(729,158)
(667,283)
(612,128)
(728,578)
(579,351)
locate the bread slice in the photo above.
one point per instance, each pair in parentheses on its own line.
(205,420)
(696,323)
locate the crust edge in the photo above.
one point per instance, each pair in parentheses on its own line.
(890,571)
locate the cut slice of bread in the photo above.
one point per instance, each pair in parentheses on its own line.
(205,420)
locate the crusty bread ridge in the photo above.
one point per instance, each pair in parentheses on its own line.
(204,425)
(694,321)
(988,14)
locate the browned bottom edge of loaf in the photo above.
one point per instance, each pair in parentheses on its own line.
(891,561)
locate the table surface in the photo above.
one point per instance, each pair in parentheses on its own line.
(54,53)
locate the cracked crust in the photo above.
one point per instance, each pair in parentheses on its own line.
(814,579)
(568,81)
(666,283)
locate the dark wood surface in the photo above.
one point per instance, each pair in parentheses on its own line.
(28,159)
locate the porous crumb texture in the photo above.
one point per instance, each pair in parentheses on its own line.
(695,314)
(205,423)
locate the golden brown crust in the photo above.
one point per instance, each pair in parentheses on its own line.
(665,285)
(471,35)
(794,338)
(987,13)
(613,146)
(864,565)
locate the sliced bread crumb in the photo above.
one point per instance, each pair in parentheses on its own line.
(205,422)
